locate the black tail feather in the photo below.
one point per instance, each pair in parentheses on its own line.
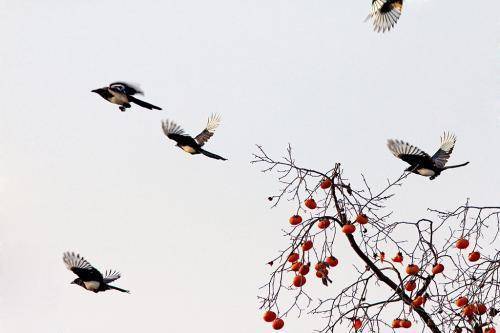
(212,155)
(142,103)
(119,289)
(456,166)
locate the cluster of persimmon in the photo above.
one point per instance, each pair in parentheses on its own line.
(436,269)
(410,286)
(310,203)
(462,244)
(418,301)
(350,228)
(302,269)
(270,317)
(401,323)
(322,268)
(470,310)
(324,223)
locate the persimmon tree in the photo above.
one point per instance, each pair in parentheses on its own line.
(439,273)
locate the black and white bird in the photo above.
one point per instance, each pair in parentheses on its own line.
(187,143)
(122,93)
(420,162)
(89,277)
(384,14)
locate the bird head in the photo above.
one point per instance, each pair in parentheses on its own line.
(100,91)
(77,282)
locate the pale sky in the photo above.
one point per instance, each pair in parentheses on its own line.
(190,235)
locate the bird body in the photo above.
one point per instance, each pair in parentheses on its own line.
(89,277)
(117,98)
(121,93)
(426,172)
(189,149)
(422,163)
(92,285)
(385,14)
(189,144)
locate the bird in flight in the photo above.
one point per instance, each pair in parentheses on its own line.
(89,277)
(122,93)
(420,162)
(189,144)
(385,14)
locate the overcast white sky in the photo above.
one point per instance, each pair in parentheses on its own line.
(190,234)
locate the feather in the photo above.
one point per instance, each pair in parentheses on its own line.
(73,260)
(169,128)
(442,155)
(126,88)
(399,148)
(385,14)
(111,275)
(81,267)
(212,123)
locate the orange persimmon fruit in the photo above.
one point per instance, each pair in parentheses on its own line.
(269,316)
(348,228)
(310,203)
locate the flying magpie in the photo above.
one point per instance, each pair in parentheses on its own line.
(89,277)
(385,14)
(187,143)
(420,162)
(122,93)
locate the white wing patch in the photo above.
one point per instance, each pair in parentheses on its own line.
(448,141)
(213,122)
(73,260)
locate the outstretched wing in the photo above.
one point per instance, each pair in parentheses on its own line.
(111,275)
(125,88)
(81,267)
(443,154)
(385,14)
(172,130)
(212,124)
(408,153)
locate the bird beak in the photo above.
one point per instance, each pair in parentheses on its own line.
(72,282)
(95,90)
